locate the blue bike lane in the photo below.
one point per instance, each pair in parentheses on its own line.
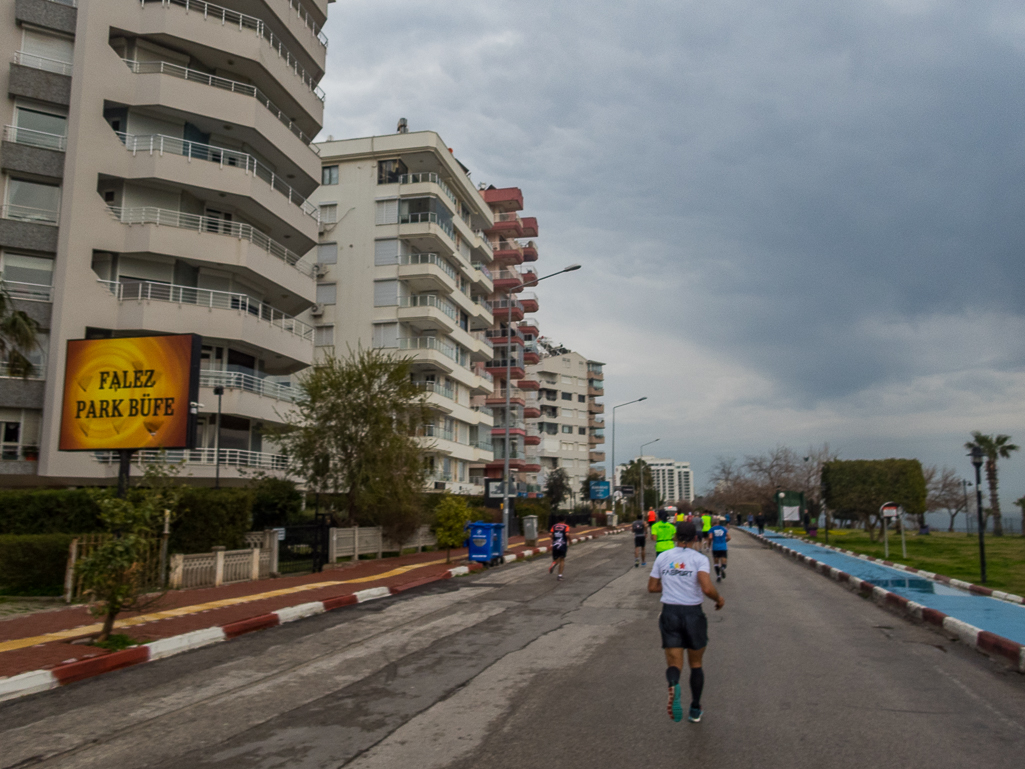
(990,614)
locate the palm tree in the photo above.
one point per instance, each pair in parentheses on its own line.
(994,447)
(18,339)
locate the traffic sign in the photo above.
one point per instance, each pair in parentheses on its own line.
(599,489)
(626,491)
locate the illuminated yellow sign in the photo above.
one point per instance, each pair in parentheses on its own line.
(131,393)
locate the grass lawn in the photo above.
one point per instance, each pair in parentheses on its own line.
(955,555)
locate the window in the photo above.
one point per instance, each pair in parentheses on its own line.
(19,434)
(29,271)
(567,429)
(329,213)
(582,431)
(324,336)
(327,293)
(389,171)
(329,175)
(327,253)
(32,201)
(564,446)
(41,129)
(567,396)
(581,399)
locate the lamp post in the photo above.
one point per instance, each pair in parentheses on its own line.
(977,459)
(640,468)
(644,398)
(219,392)
(508,389)
(964,486)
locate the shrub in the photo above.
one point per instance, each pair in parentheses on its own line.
(450,518)
(276,502)
(210,517)
(48,511)
(33,564)
(538,507)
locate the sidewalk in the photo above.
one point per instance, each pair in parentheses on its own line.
(44,640)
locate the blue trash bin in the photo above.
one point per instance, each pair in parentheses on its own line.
(485,542)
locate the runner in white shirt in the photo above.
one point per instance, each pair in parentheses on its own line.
(681,575)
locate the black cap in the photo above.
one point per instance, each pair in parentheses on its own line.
(686,532)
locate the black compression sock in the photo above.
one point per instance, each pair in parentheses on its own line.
(697,683)
(673,676)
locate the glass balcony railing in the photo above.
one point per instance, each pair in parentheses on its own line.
(437,261)
(32,138)
(428,217)
(56,66)
(429,343)
(33,292)
(18,213)
(432,300)
(483,269)
(432,178)
(438,388)
(434,431)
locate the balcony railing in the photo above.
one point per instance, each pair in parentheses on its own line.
(33,292)
(502,304)
(204,297)
(167,218)
(12,452)
(160,144)
(27,214)
(483,445)
(428,217)
(56,66)
(434,259)
(485,410)
(305,17)
(227,17)
(432,300)
(39,371)
(438,388)
(430,177)
(433,431)
(481,336)
(429,343)
(506,274)
(236,380)
(510,216)
(229,458)
(69,3)
(32,138)
(184,73)
(483,269)
(503,333)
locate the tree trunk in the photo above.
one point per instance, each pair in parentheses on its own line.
(951,529)
(994,499)
(448,555)
(108,626)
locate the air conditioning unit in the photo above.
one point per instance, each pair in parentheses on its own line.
(317,310)
(321,270)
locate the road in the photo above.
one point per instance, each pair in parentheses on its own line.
(511,669)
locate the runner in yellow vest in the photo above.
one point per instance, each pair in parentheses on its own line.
(706,527)
(663,533)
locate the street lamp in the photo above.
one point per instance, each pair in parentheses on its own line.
(977,458)
(219,392)
(640,469)
(508,390)
(614,446)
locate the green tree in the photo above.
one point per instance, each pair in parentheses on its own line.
(557,488)
(856,489)
(450,519)
(994,447)
(18,337)
(353,434)
(631,476)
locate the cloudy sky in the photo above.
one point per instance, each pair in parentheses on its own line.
(800,221)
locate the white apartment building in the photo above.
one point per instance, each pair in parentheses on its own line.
(402,264)
(156,164)
(571,426)
(673,480)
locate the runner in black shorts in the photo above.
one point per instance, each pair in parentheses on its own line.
(681,575)
(640,542)
(560,545)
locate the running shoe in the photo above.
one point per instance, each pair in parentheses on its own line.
(718,579)
(552,566)
(560,578)
(694,716)
(675,706)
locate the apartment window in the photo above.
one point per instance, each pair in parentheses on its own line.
(19,434)
(564,446)
(389,171)
(327,293)
(329,213)
(582,431)
(581,399)
(41,129)
(329,175)
(567,429)
(567,396)
(324,336)
(32,201)
(27,273)
(327,253)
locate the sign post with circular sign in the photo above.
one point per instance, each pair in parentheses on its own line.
(886,511)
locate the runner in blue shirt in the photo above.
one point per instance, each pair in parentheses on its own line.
(720,534)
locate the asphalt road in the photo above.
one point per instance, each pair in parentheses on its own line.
(511,669)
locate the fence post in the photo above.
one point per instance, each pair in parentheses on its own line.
(380,542)
(69,573)
(355,543)
(219,565)
(177,571)
(332,546)
(255,573)
(274,545)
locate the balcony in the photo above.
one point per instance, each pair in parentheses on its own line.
(506,199)
(501,336)
(529,276)
(516,397)
(31,292)
(28,214)
(507,309)
(427,271)
(595,392)
(437,388)
(529,302)
(434,431)
(529,326)
(595,408)
(261,460)
(529,384)
(159,144)
(507,252)
(507,280)
(528,227)
(429,311)
(236,380)
(33,61)
(30,138)
(596,456)
(595,373)
(429,177)
(531,355)
(595,422)
(497,368)
(296,9)
(530,252)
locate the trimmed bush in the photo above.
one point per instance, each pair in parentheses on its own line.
(48,511)
(33,564)
(276,502)
(211,517)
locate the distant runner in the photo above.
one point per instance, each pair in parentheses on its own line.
(681,576)
(706,526)
(663,533)
(652,518)
(640,542)
(720,536)
(560,544)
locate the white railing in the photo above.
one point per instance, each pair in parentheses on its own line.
(442,264)
(510,216)
(527,296)
(432,300)
(204,297)
(507,245)
(34,292)
(33,138)
(229,457)
(485,410)
(529,322)
(305,17)
(167,218)
(160,144)
(482,337)
(194,75)
(433,431)
(502,304)
(507,274)
(244,22)
(428,217)
(429,343)
(56,66)
(39,371)
(430,177)
(483,270)
(236,380)
(446,391)
(219,567)
(485,375)
(28,214)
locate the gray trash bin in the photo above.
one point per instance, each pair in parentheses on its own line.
(530,529)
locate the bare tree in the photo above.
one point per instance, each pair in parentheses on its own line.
(944,492)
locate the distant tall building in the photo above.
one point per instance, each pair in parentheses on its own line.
(673,480)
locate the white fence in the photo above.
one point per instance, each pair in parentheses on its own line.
(369,540)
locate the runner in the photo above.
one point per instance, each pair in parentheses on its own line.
(663,533)
(720,536)
(560,544)
(681,576)
(640,542)
(706,526)
(652,518)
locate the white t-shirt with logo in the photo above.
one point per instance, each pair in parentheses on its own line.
(678,569)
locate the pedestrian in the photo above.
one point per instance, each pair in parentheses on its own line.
(560,544)
(760,521)
(706,526)
(663,533)
(652,518)
(720,535)
(750,521)
(640,542)
(681,575)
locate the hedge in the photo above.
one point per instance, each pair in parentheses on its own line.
(33,564)
(48,511)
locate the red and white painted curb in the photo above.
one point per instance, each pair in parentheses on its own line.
(983,641)
(41,680)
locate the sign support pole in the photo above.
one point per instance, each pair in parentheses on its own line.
(124,471)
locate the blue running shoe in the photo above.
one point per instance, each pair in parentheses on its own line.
(675,706)
(695,715)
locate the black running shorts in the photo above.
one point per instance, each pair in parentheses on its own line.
(640,541)
(683,627)
(559,552)
(719,553)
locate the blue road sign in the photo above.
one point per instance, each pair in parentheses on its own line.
(600,489)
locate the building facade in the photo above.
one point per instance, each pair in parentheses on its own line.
(403,264)
(673,480)
(571,426)
(157,164)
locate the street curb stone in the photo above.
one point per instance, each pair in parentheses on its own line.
(36,681)
(982,641)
